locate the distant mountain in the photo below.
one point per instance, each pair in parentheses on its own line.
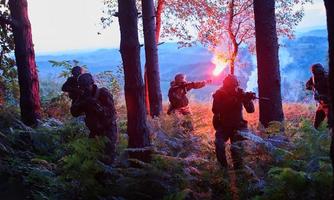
(296,56)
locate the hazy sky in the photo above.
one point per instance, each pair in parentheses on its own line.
(63,25)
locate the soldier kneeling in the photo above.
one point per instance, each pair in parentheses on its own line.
(228,119)
(318,83)
(97,105)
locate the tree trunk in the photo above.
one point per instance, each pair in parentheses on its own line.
(232,37)
(329,4)
(160,8)
(151,54)
(25,61)
(147,97)
(233,58)
(269,80)
(134,87)
(159,11)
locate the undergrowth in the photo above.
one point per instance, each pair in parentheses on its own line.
(58,161)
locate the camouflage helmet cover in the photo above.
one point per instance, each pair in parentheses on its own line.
(231,81)
(85,80)
(180,78)
(317,68)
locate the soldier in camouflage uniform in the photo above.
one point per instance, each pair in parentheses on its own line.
(71,85)
(97,105)
(228,102)
(318,83)
(177,94)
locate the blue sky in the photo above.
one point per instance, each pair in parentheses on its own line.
(65,25)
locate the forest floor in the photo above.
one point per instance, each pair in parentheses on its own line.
(57,161)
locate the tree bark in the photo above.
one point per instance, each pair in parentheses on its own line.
(134,87)
(269,80)
(151,54)
(147,97)
(160,7)
(329,4)
(25,61)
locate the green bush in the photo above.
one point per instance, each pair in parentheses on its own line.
(82,167)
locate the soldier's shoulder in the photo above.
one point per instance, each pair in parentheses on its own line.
(220,92)
(71,78)
(104,92)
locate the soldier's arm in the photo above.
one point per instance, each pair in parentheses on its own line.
(309,84)
(216,108)
(77,108)
(247,101)
(217,104)
(67,85)
(80,106)
(195,85)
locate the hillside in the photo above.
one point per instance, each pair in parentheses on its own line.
(295,56)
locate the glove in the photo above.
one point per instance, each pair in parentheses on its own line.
(250,96)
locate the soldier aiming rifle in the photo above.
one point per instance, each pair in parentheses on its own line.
(97,105)
(177,94)
(318,83)
(228,103)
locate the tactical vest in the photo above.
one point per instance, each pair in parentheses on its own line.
(229,109)
(177,96)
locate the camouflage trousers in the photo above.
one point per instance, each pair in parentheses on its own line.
(222,136)
(179,111)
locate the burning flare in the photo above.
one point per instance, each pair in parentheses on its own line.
(220,64)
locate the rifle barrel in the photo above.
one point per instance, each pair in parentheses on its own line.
(263,98)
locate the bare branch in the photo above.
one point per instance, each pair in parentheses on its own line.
(245,36)
(160,43)
(244,7)
(238,28)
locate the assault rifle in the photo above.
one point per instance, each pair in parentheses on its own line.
(252,96)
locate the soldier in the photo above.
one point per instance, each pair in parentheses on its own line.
(71,84)
(318,83)
(228,120)
(177,94)
(97,105)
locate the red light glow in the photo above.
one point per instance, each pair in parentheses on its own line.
(220,64)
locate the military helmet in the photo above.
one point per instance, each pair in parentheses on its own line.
(317,69)
(85,80)
(231,81)
(180,78)
(76,71)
